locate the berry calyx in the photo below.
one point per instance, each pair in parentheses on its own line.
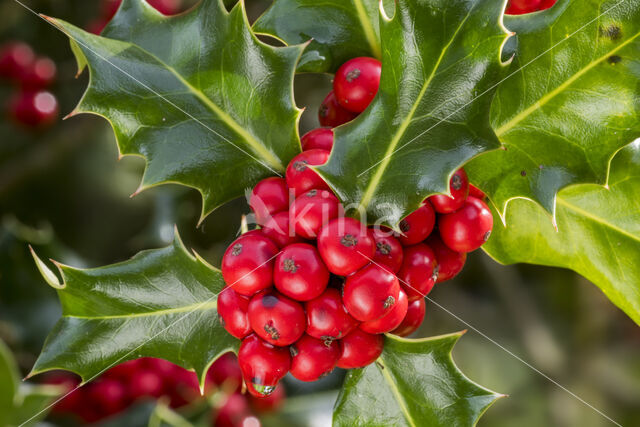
(34,108)
(417,225)
(328,318)
(468,228)
(356,83)
(299,272)
(320,138)
(300,177)
(331,114)
(419,271)
(269,197)
(389,321)
(388,250)
(359,349)
(459,188)
(450,262)
(371,292)
(312,358)
(247,264)
(233,310)
(312,210)
(276,318)
(279,229)
(413,318)
(345,245)
(262,365)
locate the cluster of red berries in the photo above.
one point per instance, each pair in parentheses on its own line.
(32,105)
(520,7)
(108,9)
(312,289)
(150,378)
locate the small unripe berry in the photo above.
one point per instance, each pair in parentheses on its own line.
(299,272)
(328,318)
(413,319)
(300,177)
(419,271)
(371,292)
(269,197)
(332,114)
(459,188)
(356,83)
(262,365)
(232,308)
(312,358)
(468,228)
(247,264)
(320,138)
(417,225)
(359,349)
(389,321)
(345,245)
(276,319)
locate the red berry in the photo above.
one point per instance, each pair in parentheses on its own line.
(476,192)
(311,210)
(466,229)
(519,7)
(418,273)
(67,382)
(459,188)
(299,272)
(332,114)
(15,60)
(268,197)
(109,396)
(276,319)
(280,230)
(546,4)
(145,383)
(124,371)
(320,138)
(356,83)
(301,178)
(312,358)
(371,292)
(109,8)
(40,74)
(413,319)
(233,411)
(450,263)
(417,225)
(225,372)
(388,250)
(96,26)
(166,7)
(345,245)
(389,321)
(34,108)
(247,264)
(262,365)
(359,349)
(232,308)
(268,403)
(327,317)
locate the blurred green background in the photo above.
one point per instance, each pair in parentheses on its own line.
(63,191)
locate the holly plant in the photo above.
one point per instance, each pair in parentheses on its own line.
(449,120)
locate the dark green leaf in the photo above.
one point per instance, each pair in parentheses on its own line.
(598,233)
(431,114)
(161,303)
(571,107)
(197,95)
(339,30)
(413,383)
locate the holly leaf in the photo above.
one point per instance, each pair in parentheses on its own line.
(338,29)
(570,107)
(21,404)
(414,382)
(161,303)
(197,95)
(598,233)
(431,113)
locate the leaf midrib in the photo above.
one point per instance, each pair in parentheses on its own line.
(384,163)
(201,306)
(545,99)
(394,389)
(369,32)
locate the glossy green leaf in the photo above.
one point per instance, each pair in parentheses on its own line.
(161,303)
(598,233)
(413,383)
(441,60)
(21,404)
(338,29)
(571,105)
(197,95)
